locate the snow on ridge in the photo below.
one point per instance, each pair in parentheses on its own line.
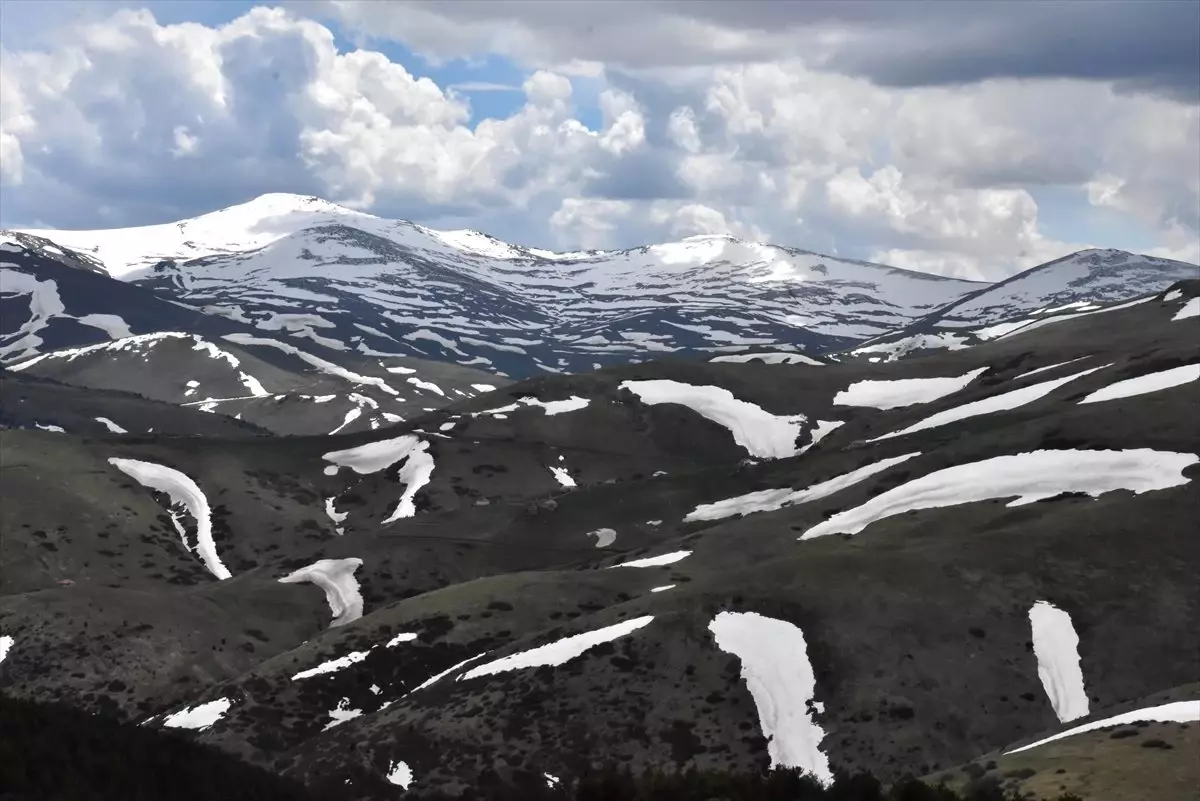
(572,404)
(1025,477)
(1056,646)
(316,361)
(898,392)
(773,499)
(1175,712)
(661,560)
(1003,402)
(336,578)
(199,717)
(781,680)
(761,433)
(1149,382)
(769,357)
(185,491)
(559,651)
(126,343)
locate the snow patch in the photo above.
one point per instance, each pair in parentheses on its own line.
(563,476)
(1056,646)
(893,394)
(111,426)
(333,665)
(6,644)
(198,718)
(559,651)
(997,403)
(341,713)
(656,561)
(1190,309)
(774,499)
(400,774)
(604,537)
(1026,477)
(336,578)
(181,490)
(761,433)
(1142,384)
(780,677)
(1177,712)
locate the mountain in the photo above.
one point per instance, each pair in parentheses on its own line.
(65,320)
(307,269)
(1076,284)
(355,282)
(924,566)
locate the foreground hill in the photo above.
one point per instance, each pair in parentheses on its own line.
(312,273)
(886,567)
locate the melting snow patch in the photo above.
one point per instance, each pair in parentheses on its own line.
(771,500)
(426,385)
(777,671)
(1048,367)
(404,636)
(415,473)
(351,416)
(769,358)
(182,490)
(1025,477)
(111,426)
(336,578)
(341,714)
(559,651)
(334,515)
(199,717)
(372,457)
(1190,309)
(819,431)
(333,665)
(572,404)
(1151,382)
(604,537)
(563,477)
(903,391)
(1056,646)
(656,561)
(400,774)
(997,403)
(1177,712)
(761,433)
(53,428)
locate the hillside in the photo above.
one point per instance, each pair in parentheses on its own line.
(888,567)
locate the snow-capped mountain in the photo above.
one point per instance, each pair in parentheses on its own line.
(894,567)
(357,282)
(307,269)
(1080,283)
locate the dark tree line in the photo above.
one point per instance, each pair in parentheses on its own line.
(51,752)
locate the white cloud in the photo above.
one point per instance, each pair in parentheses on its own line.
(123,118)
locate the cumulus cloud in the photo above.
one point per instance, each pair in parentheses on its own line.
(122,120)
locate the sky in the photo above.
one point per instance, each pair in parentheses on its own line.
(972,139)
